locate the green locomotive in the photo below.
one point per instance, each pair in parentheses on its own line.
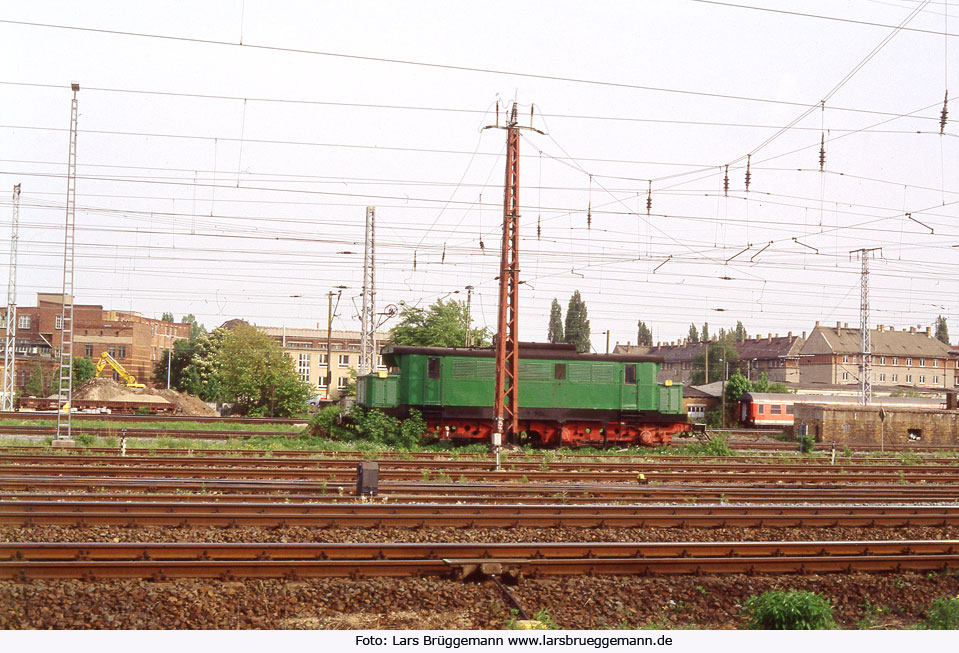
(565,398)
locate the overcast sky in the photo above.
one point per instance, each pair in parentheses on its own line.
(224,169)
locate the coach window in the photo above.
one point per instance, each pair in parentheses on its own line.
(559,371)
(760,409)
(433,368)
(775,409)
(789,409)
(631,374)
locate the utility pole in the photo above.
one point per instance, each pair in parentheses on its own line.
(65,393)
(469,298)
(707,361)
(865,341)
(329,339)
(368,319)
(10,347)
(505,390)
(169,360)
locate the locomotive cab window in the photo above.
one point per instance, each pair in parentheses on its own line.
(432,368)
(630,374)
(559,371)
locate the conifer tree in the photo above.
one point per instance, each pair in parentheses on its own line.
(644,335)
(555,332)
(577,324)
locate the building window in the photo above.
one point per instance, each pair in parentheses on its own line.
(88,351)
(845,359)
(909,378)
(23,322)
(935,363)
(895,360)
(304,368)
(342,382)
(58,323)
(112,351)
(322,359)
(845,376)
(153,354)
(922,378)
(321,383)
(380,362)
(895,378)
(121,352)
(882,360)
(922,362)
(935,380)
(344,360)
(908,362)
(882,378)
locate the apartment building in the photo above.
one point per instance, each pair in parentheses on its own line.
(307,348)
(910,358)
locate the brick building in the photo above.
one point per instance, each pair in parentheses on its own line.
(307,348)
(137,342)
(912,358)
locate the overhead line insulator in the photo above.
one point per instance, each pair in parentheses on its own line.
(749,173)
(726,182)
(945,114)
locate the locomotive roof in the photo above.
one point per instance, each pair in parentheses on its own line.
(527,350)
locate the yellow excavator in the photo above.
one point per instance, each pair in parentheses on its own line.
(107,359)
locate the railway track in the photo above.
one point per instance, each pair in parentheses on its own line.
(435,515)
(343,470)
(94,560)
(79,418)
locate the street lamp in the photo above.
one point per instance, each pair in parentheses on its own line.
(725,368)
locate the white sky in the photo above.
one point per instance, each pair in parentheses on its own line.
(229,208)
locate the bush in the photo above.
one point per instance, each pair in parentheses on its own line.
(793,610)
(943,615)
(376,427)
(807,443)
(321,424)
(717,446)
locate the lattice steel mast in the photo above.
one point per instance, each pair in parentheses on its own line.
(368,321)
(10,344)
(865,341)
(65,394)
(506,394)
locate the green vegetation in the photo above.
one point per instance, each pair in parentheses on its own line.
(576,329)
(792,610)
(443,324)
(807,443)
(943,615)
(554,332)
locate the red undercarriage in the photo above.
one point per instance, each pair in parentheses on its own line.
(567,434)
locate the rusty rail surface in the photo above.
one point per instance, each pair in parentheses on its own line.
(117,431)
(90,561)
(150,467)
(367,515)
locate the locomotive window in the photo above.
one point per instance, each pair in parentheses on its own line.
(559,371)
(630,374)
(433,368)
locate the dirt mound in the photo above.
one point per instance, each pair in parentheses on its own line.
(109,390)
(185,404)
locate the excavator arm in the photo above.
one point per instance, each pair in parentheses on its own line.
(107,359)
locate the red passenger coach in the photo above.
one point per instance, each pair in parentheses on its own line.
(767,409)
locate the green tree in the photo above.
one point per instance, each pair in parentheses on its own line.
(737,385)
(693,333)
(739,331)
(257,376)
(180,359)
(167,317)
(84,369)
(443,324)
(704,333)
(719,350)
(644,335)
(39,383)
(577,324)
(555,331)
(942,330)
(195,327)
(200,374)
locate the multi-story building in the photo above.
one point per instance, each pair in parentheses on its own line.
(307,348)
(136,342)
(777,356)
(899,358)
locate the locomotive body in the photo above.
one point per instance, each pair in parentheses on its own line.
(565,398)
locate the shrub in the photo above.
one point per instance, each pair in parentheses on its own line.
(806,443)
(321,424)
(793,610)
(943,615)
